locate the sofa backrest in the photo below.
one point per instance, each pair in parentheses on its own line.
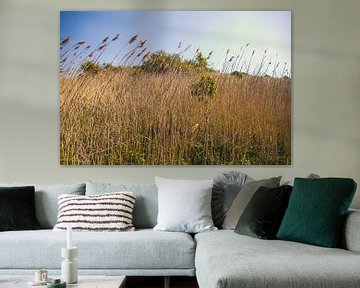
(46,200)
(146,203)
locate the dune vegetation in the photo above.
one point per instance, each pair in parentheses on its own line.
(146,108)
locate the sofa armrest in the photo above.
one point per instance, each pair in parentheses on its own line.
(351,234)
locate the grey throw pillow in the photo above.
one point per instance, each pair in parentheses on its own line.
(184,205)
(226,187)
(310,176)
(242,199)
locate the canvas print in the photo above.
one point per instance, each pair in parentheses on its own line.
(175,87)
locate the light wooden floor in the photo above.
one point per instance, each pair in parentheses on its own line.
(158,282)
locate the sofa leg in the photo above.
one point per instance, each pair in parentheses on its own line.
(167,282)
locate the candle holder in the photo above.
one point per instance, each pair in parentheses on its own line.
(69,271)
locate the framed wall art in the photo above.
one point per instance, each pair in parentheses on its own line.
(175,87)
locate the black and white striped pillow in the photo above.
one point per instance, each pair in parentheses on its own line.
(105,212)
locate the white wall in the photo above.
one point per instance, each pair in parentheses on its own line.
(326,91)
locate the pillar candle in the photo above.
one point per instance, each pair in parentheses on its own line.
(69,237)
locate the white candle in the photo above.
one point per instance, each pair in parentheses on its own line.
(69,239)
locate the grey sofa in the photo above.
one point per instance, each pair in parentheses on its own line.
(142,252)
(219,259)
(226,259)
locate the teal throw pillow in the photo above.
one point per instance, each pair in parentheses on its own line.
(316,211)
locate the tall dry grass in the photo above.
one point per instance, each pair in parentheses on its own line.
(121,117)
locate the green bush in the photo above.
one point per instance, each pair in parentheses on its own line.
(161,62)
(110,67)
(239,74)
(205,88)
(90,67)
(200,62)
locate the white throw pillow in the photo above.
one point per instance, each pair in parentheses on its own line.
(104,212)
(184,205)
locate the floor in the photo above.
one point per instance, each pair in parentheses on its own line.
(131,282)
(158,282)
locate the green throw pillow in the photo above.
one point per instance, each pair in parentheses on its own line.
(316,211)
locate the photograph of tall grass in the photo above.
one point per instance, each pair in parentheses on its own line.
(175,87)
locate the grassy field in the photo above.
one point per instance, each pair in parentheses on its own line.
(120,117)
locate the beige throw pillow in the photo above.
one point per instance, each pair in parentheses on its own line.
(243,198)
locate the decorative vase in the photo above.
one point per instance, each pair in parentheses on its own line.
(69,272)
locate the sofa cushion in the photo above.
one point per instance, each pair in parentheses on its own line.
(263,215)
(143,249)
(310,176)
(17,208)
(226,187)
(243,198)
(46,200)
(146,205)
(317,209)
(184,205)
(350,239)
(105,212)
(225,259)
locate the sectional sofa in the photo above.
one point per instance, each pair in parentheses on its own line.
(219,259)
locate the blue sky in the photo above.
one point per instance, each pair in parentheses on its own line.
(215,31)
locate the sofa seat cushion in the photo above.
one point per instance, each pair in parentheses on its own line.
(141,249)
(225,259)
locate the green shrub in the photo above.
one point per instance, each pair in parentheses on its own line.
(90,67)
(239,74)
(205,88)
(161,62)
(110,67)
(200,62)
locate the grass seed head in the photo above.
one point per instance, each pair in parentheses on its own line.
(66,41)
(142,43)
(115,38)
(132,39)
(102,47)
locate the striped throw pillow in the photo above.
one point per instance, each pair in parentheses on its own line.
(105,212)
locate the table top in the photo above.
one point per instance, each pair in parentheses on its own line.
(84,281)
